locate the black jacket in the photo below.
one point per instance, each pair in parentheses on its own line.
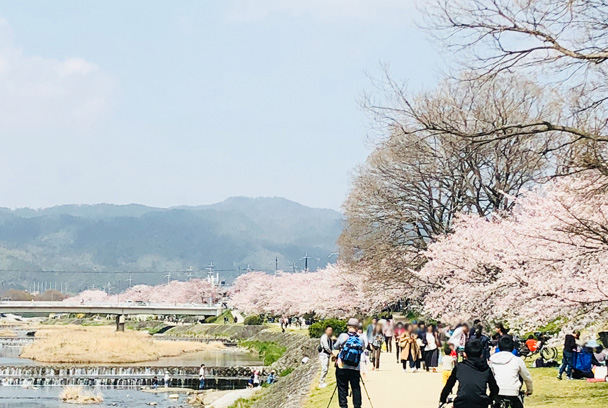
(474,378)
(570,343)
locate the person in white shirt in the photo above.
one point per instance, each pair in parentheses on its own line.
(431,348)
(201,377)
(508,371)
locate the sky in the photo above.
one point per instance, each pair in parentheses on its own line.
(191,102)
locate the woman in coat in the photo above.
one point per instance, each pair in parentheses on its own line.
(410,350)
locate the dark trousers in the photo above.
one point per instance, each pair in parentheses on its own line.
(567,364)
(345,377)
(514,401)
(389,343)
(376,357)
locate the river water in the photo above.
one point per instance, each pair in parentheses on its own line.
(14,396)
(48,397)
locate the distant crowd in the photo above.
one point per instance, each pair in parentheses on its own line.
(488,368)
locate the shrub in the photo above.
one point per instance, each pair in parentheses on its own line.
(253,321)
(317,329)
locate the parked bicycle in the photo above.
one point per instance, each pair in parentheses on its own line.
(545,351)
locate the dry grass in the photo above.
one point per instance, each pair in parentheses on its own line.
(7,333)
(78,395)
(77,344)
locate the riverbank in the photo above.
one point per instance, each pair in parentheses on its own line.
(103,345)
(297,366)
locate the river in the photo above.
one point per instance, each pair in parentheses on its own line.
(183,368)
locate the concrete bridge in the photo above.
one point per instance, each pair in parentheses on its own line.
(120,309)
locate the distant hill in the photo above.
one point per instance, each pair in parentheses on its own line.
(104,244)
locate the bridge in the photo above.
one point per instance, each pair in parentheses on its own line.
(120,309)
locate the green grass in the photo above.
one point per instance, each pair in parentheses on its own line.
(269,351)
(552,393)
(247,402)
(286,372)
(319,398)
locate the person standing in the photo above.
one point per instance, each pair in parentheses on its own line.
(509,370)
(325,350)
(349,348)
(167,380)
(431,349)
(201,377)
(570,348)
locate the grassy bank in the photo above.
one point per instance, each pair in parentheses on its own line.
(269,351)
(77,344)
(552,393)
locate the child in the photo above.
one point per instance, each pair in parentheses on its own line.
(474,377)
(447,364)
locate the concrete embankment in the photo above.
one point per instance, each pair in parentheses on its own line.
(300,358)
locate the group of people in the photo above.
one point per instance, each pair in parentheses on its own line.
(483,378)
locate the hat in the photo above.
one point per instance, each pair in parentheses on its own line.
(352,322)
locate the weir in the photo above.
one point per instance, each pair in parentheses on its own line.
(187,377)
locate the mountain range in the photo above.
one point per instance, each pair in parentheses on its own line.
(111,246)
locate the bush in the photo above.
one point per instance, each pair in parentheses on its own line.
(253,321)
(317,329)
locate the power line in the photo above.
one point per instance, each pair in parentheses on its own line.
(106,272)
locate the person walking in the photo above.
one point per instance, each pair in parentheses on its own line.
(431,349)
(377,341)
(370,329)
(410,351)
(474,378)
(399,331)
(389,331)
(570,348)
(349,348)
(509,370)
(201,377)
(325,350)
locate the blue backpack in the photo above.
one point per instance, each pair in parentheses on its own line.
(351,351)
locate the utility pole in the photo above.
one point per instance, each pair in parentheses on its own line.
(276,263)
(130,280)
(189,270)
(168,276)
(305,258)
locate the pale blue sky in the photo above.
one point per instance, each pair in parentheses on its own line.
(190,102)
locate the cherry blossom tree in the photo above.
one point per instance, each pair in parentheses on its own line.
(331,292)
(546,260)
(192,291)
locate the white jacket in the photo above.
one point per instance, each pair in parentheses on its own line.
(507,370)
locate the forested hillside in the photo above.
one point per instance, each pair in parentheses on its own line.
(104,245)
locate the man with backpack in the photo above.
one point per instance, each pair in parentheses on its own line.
(349,348)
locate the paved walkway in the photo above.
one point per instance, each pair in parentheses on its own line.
(391,387)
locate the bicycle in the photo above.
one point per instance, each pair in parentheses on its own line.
(545,351)
(508,404)
(449,403)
